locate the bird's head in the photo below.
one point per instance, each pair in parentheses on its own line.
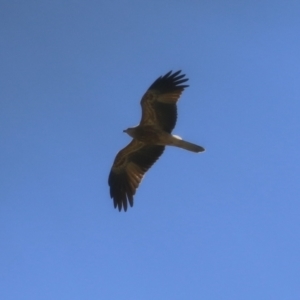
(130,131)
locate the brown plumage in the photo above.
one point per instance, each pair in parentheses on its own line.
(159,115)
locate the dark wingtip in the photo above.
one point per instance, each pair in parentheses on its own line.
(120,191)
(170,81)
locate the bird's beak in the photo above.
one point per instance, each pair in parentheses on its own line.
(124,130)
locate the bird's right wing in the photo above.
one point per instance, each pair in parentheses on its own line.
(128,169)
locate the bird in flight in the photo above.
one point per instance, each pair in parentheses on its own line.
(149,138)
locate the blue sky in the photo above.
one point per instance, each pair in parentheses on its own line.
(219,225)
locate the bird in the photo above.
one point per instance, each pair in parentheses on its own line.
(149,138)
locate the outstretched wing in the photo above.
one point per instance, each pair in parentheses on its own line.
(159,102)
(128,169)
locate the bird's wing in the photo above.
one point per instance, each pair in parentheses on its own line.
(128,169)
(159,102)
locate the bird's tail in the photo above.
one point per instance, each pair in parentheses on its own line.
(178,142)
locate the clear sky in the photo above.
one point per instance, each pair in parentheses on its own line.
(223,224)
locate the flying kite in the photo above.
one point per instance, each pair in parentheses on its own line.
(159,114)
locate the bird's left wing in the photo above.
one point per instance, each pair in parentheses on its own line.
(159,102)
(128,169)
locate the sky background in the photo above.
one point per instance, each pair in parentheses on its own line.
(223,224)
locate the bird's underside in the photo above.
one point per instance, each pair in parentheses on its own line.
(159,114)
(153,135)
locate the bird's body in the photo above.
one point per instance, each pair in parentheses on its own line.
(159,114)
(153,135)
(149,134)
